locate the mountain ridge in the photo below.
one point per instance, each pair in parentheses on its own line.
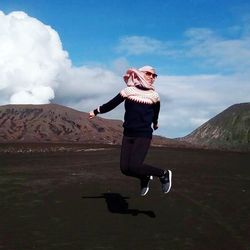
(229,129)
(54,123)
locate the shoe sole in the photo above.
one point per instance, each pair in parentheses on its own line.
(143,194)
(170,181)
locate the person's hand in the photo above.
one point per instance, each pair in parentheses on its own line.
(155,126)
(91,114)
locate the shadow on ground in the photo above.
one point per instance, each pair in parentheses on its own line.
(116,203)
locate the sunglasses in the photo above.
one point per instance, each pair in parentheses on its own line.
(150,74)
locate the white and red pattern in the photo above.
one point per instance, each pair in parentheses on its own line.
(142,96)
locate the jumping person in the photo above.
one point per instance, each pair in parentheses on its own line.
(142,106)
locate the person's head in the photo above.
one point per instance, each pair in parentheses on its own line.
(149,74)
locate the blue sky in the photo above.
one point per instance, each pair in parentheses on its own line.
(200,49)
(90,30)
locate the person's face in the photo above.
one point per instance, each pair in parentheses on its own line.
(150,76)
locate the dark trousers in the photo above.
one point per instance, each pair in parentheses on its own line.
(133,153)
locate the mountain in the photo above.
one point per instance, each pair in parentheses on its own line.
(230,129)
(52,123)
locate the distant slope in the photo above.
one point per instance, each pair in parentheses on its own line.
(52,123)
(228,130)
(55,123)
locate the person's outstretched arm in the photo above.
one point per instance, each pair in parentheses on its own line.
(113,103)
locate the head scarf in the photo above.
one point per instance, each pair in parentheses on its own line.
(135,77)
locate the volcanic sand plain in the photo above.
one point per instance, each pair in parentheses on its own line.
(78,199)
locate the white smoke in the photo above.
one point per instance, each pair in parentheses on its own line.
(31,61)
(37,95)
(34,68)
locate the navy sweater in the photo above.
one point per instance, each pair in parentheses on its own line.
(141,110)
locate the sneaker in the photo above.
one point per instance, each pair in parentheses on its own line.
(145,185)
(166,181)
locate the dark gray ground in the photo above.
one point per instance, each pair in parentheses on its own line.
(80,200)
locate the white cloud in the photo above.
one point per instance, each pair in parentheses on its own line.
(229,52)
(34,68)
(36,95)
(31,59)
(221,52)
(189,101)
(120,65)
(138,45)
(83,87)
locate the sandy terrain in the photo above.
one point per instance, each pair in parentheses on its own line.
(80,200)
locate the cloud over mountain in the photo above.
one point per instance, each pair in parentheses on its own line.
(34,67)
(32,59)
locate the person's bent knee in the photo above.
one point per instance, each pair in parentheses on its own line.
(124,169)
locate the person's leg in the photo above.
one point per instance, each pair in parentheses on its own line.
(133,154)
(138,154)
(138,167)
(126,155)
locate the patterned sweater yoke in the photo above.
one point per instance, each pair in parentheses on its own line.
(140,96)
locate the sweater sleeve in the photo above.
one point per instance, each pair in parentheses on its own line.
(156,112)
(113,103)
